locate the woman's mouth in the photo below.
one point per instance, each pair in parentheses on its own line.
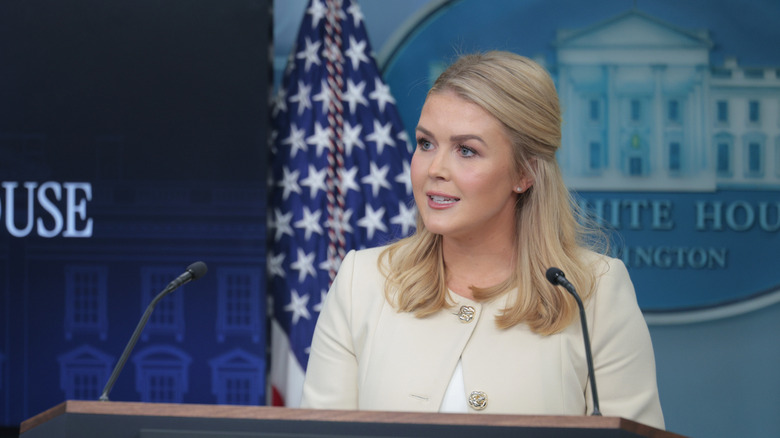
(441,201)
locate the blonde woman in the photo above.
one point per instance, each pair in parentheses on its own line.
(459,317)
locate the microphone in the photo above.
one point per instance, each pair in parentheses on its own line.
(556,277)
(193,272)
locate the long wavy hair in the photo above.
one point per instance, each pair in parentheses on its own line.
(550,229)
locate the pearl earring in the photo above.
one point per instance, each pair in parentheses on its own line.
(519,189)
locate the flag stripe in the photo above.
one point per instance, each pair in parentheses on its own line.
(286,374)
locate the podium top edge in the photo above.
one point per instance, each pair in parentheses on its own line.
(185,410)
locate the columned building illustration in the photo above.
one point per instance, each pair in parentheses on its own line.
(645,110)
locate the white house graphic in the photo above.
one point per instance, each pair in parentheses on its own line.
(162,374)
(237,378)
(83,372)
(645,110)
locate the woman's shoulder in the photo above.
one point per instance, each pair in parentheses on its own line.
(359,283)
(612,282)
(371,253)
(601,264)
(366,256)
(360,268)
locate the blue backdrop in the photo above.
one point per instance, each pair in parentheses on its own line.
(132,143)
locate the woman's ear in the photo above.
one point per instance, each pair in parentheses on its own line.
(526,179)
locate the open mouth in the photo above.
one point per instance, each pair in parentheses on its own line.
(443,199)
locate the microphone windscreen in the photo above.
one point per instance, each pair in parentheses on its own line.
(197,269)
(553,274)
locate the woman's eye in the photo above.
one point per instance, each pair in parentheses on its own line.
(466,151)
(424,144)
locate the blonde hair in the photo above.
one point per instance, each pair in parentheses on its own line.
(550,230)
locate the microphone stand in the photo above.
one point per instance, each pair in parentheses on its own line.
(588,354)
(194,271)
(556,277)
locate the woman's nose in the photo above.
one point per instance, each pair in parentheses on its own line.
(438,166)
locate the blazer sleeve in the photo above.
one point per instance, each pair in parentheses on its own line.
(623,355)
(331,374)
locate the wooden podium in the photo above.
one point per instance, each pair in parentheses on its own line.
(86,419)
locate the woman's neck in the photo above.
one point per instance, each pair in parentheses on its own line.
(484,264)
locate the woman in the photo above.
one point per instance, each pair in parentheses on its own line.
(459,317)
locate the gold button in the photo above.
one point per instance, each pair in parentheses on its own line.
(466,314)
(478,400)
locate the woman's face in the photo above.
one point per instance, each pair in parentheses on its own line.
(463,172)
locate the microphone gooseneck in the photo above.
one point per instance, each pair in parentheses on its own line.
(193,272)
(557,278)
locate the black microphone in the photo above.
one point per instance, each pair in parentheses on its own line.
(193,272)
(556,277)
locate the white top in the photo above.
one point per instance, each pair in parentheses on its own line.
(454,402)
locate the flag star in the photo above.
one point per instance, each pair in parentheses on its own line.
(282,224)
(318,307)
(341,15)
(347,180)
(340,221)
(298,306)
(279,102)
(302,97)
(275,265)
(356,52)
(406,218)
(289,182)
(381,94)
(310,222)
(296,140)
(325,95)
(315,180)
(330,264)
(405,177)
(317,11)
(354,95)
(377,178)
(304,265)
(320,138)
(372,221)
(404,137)
(309,53)
(357,14)
(381,136)
(351,137)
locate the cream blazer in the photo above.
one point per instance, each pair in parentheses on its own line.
(366,355)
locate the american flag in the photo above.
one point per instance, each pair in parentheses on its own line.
(339,177)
